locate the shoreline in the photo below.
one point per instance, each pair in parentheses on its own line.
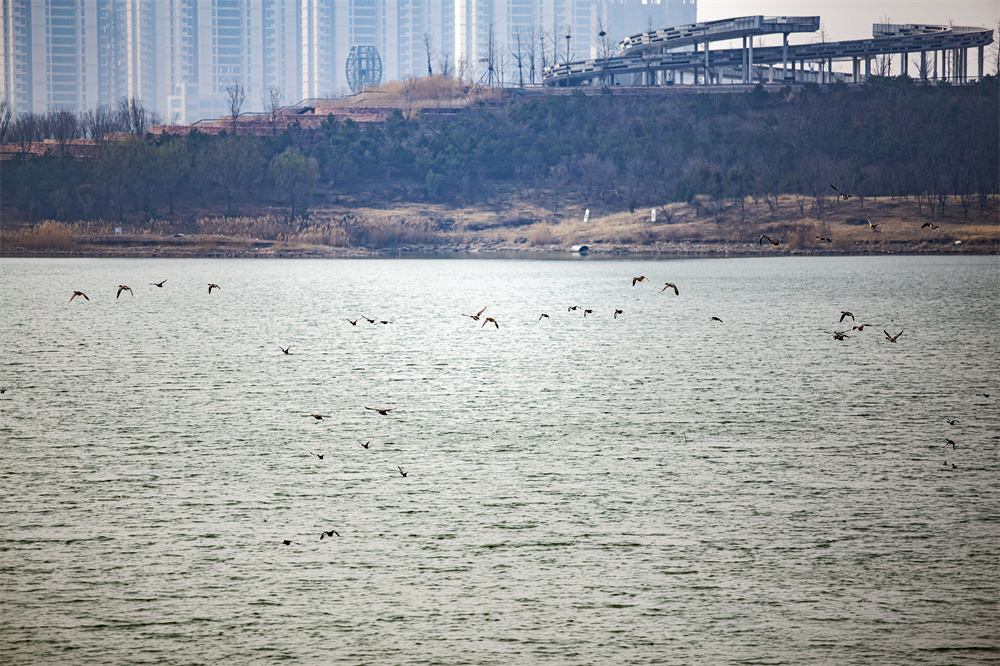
(145,247)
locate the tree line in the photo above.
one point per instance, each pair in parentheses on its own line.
(891,137)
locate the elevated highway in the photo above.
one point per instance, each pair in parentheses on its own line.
(683,54)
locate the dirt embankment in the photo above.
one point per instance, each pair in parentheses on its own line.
(521,227)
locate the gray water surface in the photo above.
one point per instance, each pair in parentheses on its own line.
(656,488)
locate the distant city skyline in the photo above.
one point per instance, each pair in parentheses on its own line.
(179,56)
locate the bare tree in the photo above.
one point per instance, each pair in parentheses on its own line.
(531,42)
(427,48)
(519,59)
(64,128)
(444,62)
(603,52)
(408,89)
(883,63)
(236,95)
(100,122)
(462,68)
(271,99)
(133,116)
(6,115)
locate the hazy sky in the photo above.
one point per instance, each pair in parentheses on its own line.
(853,19)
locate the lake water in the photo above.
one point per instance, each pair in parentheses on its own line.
(651,488)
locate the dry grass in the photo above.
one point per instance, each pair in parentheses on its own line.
(48,235)
(424,92)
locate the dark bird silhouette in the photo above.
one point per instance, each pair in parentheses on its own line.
(891,338)
(641,278)
(840,335)
(824,239)
(488,320)
(542,316)
(845,313)
(124,287)
(873,225)
(769,240)
(860,327)
(985,395)
(401,471)
(569,309)
(289,542)
(319,455)
(671,285)
(285,349)
(158,284)
(370,321)
(385,322)
(355,322)
(212,286)
(952,421)
(928,224)
(383,412)
(948,442)
(716,319)
(843,196)
(365,445)
(476,316)
(587,311)
(78,293)
(618,312)
(318,417)
(328,533)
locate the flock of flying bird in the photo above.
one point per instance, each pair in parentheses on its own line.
(826,239)
(478,316)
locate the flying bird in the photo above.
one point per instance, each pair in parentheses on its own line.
(370,321)
(873,225)
(618,312)
(318,417)
(476,316)
(840,335)
(845,313)
(928,224)
(948,442)
(716,319)
(319,455)
(952,421)
(488,320)
(586,311)
(569,309)
(385,322)
(769,240)
(843,196)
(542,316)
(158,284)
(212,286)
(985,395)
(78,293)
(285,349)
(124,287)
(824,239)
(365,445)
(401,470)
(668,286)
(355,322)
(328,533)
(641,278)
(383,412)
(891,338)
(860,327)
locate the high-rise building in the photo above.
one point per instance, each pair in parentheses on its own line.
(180,56)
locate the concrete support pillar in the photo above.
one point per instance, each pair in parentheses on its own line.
(923,66)
(829,70)
(868,68)
(854,70)
(750,60)
(708,72)
(981,61)
(905,64)
(784,56)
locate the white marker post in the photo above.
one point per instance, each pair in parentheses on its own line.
(586,215)
(652,215)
